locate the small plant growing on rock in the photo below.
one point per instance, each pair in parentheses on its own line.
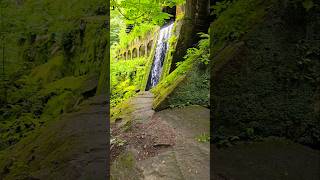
(203,138)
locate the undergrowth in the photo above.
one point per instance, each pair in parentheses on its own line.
(195,55)
(126,77)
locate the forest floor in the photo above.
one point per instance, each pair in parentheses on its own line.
(161,145)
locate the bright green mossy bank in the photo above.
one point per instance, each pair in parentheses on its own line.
(52,64)
(189,83)
(126,78)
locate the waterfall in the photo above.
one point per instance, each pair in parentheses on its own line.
(160,54)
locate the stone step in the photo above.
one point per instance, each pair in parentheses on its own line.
(145,95)
(143,116)
(143,106)
(140,102)
(142,110)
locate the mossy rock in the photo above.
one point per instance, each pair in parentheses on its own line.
(49,71)
(22,160)
(49,152)
(187,85)
(125,166)
(60,104)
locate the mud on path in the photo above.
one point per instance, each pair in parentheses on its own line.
(161,145)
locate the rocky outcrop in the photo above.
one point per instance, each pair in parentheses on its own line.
(73,147)
(195,20)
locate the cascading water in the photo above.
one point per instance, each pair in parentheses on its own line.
(160,54)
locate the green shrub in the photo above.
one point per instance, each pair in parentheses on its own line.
(126,78)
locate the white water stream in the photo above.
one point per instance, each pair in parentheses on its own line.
(160,54)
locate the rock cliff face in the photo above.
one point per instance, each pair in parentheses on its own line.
(196,19)
(51,68)
(266,71)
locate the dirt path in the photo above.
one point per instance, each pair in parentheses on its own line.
(73,147)
(163,145)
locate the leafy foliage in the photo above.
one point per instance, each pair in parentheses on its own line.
(226,29)
(197,87)
(200,53)
(204,137)
(139,31)
(126,78)
(219,7)
(143,15)
(117,25)
(143,11)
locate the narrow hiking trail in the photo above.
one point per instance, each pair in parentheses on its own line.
(188,158)
(142,106)
(164,144)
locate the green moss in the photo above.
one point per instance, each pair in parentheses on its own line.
(126,78)
(90,54)
(12,131)
(124,167)
(180,16)
(121,111)
(39,150)
(50,71)
(58,105)
(104,79)
(236,21)
(168,59)
(188,83)
(70,83)
(194,90)
(50,65)
(167,85)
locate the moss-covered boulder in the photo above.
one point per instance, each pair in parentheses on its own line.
(71,147)
(189,88)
